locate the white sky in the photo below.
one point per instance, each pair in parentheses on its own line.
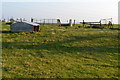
(88,10)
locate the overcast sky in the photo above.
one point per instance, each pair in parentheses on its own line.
(88,10)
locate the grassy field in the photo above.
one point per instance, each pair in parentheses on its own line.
(57,52)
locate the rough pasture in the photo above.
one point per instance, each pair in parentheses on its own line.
(57,52)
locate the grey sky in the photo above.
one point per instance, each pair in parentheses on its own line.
(89,10)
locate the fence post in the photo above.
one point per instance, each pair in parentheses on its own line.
(83,23)
(31,19)
(74,23)
(100,22)
(70,22)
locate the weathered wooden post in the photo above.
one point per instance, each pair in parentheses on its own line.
(100,22)
(70,22)
(74,23)
(83,23)
(58,22)
(31,19)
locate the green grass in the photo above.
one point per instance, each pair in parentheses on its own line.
(57,52)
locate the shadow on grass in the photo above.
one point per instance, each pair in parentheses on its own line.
(59,46)
(6,32)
